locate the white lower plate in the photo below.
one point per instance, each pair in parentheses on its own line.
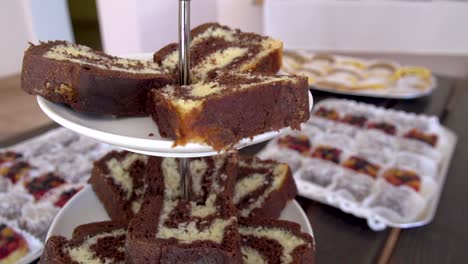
(85,207)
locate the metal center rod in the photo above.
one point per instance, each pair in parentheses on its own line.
(184,79)
(184,42)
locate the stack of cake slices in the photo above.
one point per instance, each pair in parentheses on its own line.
(215,47)
(101,242)
(230,216)
(234,92)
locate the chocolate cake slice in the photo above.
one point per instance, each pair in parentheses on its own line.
(216,48)
(203,229)
(101,242)
(228,108)
(118,179)
(275,241)
(88,80)
(263,187)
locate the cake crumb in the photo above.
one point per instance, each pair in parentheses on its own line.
(151,134)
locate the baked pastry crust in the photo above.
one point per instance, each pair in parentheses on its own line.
(90,81)
(215,48)
(229,108)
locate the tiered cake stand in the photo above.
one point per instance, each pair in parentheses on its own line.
(140,135)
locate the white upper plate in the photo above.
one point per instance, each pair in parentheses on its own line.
(85,207)
(132,133)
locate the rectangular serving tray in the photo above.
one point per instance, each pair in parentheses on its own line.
(377,223)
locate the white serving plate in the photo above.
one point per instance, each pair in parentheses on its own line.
(85,207)
(383,93)
(132,133)
(392,92)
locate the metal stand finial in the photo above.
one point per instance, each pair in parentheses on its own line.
(184,79)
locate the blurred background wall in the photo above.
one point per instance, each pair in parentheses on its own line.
(29,20)
(431,33)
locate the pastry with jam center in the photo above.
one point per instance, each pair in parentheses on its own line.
(400,177)
(88,80)
(215,48)
(362,165)
(65,195)
(118,179)
(17,171)
(299,143)
(99,243)
(263,187)
(229,108)
(327,153)
(354,120)
(13,246)
(39,186)
(385,127)
(327,113)
(202,229)
(9,156)
(427,138)
(275,241)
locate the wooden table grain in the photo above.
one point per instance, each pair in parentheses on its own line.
(19,111)
(343,238)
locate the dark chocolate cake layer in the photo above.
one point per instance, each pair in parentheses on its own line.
(169,229)
(275,241)
(218,48)
(98,243)
(228,108)
(88,80)
(263,187)
(118,179)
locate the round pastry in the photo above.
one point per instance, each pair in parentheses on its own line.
(36,218)
(290,65)
(381,69)
(12,202)
(413,77)
(299,57)
(323,60)
(5,184)
(352,64)
(371,83)
(340,79)
(312,72)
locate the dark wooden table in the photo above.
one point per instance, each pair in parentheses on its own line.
(343,238)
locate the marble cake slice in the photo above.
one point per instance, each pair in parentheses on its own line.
(263,187)
(202,229)
(118,179)
(275,241)
(217,48)
(228,108)
(88,80)
(98,243)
